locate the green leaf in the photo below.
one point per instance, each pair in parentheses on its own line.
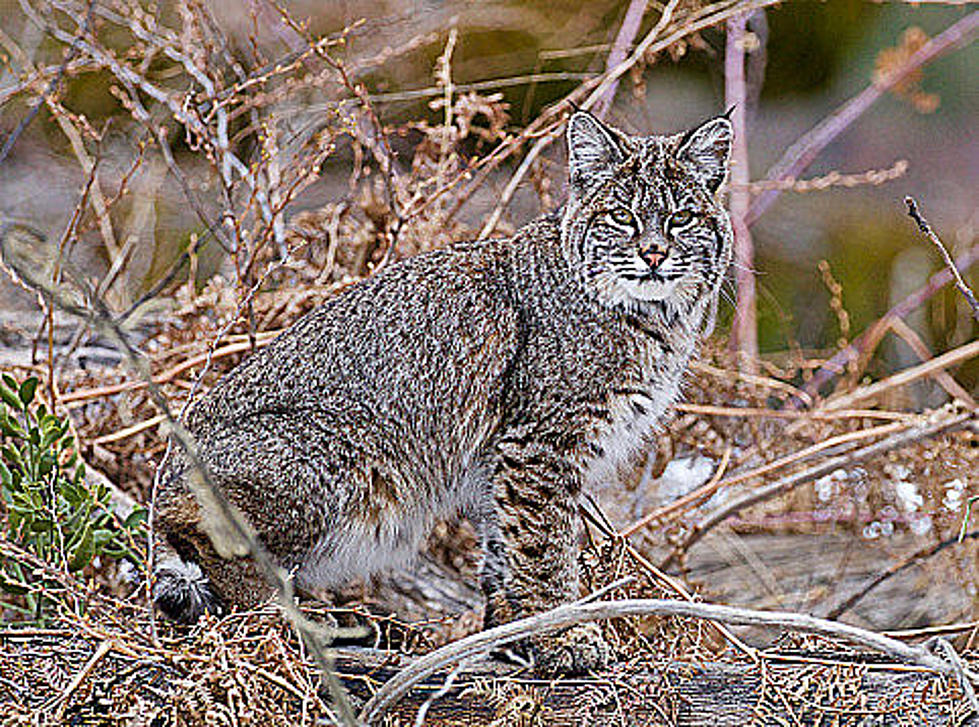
(102,538)
(10,381)
(50,437)
(6,479)
(10,427)
(46,464)
(12,455)
(41,525)
(83,553)
(11,399)
(11,585)
(27,390)
(136,518)
(72,493)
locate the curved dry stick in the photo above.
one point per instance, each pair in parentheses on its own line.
(798,156)
(568,615)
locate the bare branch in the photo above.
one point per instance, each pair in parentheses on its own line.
(949,263)
(801,154)
(939,424)
(623,41)
(917,557)
(744,329)
(868,339)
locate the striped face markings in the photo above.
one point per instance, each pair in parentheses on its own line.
(652,234)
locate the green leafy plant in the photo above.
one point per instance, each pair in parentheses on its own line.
(51,511)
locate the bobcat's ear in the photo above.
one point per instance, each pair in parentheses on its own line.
(706,151)
(593,149)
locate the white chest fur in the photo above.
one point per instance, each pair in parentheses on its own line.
(636,409)
(634,418)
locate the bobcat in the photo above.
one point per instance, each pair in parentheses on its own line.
(494,378)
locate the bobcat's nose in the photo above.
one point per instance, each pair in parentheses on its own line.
(653,255)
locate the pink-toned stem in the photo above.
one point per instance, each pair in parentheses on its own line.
(801,154)
(744,333)
(620,49)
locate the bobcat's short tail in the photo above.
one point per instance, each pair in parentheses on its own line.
(181,590)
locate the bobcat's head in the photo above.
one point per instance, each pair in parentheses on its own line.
(643,224)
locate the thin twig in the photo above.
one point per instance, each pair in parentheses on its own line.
(949,263)
(620,48)
(608,79)
(548,120)
(104,648)
(52,87)
(691,499)
(868,339)
(873,177)
(944,379)
(597,517)
(231,519)
(902,378)
(710,487)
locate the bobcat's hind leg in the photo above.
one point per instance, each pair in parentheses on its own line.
(531,566)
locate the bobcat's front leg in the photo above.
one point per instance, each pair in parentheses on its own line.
(531,561)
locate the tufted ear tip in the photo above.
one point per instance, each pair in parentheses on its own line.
(706,150)
(592,148)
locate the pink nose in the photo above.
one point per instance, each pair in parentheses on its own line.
(653,256)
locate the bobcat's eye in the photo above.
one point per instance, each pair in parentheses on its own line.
(622,216)
(682,218)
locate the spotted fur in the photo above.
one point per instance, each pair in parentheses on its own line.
(493,378)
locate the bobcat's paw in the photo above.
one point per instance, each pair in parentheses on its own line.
(578,650)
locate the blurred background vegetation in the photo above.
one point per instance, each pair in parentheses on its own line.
(819,54)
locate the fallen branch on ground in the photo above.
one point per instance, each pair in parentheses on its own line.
(568,615)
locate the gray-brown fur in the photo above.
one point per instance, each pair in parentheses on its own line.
(496,379)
